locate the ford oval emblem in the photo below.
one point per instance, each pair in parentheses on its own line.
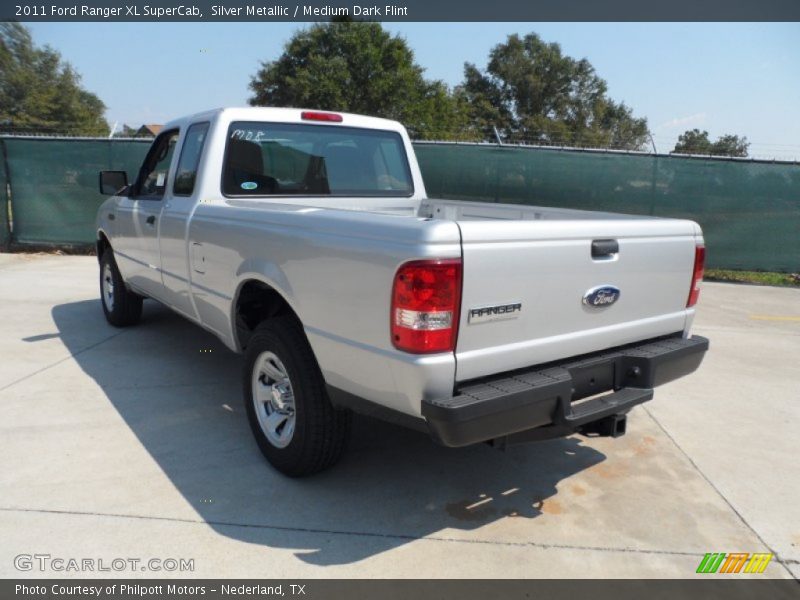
(600,296)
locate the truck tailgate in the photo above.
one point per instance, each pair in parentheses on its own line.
(525,281)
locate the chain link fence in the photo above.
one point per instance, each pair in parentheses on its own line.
(749,210)
(54,185)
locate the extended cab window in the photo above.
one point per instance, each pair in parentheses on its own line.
(190,158)
(280,158)
(152,179)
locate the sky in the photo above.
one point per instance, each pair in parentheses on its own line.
(739,78)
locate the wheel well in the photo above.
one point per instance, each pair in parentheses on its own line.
(102,245)
(255,303)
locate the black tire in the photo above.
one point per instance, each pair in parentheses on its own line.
(320,431)
(121,306)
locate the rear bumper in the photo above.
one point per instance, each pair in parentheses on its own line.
(548,395)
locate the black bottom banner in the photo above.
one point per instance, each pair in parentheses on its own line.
(387,589)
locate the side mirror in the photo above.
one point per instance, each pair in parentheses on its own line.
(112,182)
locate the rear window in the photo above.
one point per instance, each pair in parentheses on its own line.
(263,159)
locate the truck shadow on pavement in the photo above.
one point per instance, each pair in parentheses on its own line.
(179,390)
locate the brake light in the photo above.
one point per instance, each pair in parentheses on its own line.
(310,115)
(697,274)
(426,300)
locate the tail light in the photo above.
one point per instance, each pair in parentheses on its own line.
(312,115)
(697,274)
(426,300)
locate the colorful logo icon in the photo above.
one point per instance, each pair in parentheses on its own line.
(734,562)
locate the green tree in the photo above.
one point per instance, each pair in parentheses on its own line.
(532,92)
(358,67)
(730,145)
(41,92)
(695,141)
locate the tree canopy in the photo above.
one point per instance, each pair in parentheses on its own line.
(40,92)
(534,93)
(531,91)
(357,67)
(695,141)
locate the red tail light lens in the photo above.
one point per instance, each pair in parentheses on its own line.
(309,115)
(697,275)
(426,303)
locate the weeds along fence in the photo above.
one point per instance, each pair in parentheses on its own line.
(749,209)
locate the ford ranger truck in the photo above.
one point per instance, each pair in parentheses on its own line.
(304,240)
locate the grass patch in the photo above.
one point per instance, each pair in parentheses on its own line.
(759,277)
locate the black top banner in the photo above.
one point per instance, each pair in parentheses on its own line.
(399,10)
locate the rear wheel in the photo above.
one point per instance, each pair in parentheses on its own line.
(296,427)
(121,306)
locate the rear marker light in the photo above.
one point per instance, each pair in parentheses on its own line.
(697,275)
(309,115)
(426,300)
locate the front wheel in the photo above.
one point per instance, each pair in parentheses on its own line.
(296,427)
(121,306)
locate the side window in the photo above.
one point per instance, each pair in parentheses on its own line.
(153,177)
(190,158)
(391,168)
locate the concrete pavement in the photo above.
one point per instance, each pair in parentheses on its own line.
(134,444)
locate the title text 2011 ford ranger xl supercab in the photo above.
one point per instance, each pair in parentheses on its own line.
(305,240)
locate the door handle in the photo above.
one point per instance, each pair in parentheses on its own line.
(111,216)
(151,220)
(604,248)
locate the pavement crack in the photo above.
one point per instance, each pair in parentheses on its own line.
(368,534)
(778,559)
(158,386)
(58,362)
(744,331)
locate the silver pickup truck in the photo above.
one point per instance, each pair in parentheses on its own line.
(305,240)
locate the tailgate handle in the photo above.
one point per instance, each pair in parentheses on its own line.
(604,248)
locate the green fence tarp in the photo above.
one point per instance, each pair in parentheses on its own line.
(749,210)
(54,187)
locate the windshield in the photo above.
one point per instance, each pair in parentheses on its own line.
(265,159)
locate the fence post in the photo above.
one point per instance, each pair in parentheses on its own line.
(653,186)
(5,209)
